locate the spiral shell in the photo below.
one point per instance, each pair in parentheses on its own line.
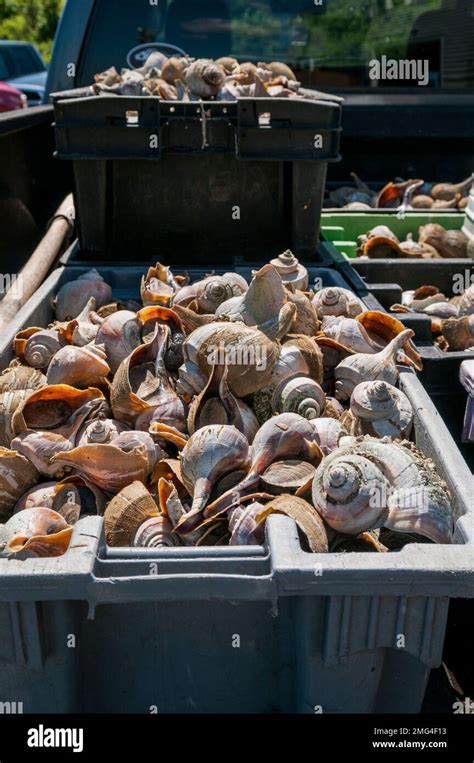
(38,346)
(75,497)
(449,243)
(215,290)
(283,437)
(17,475)
(156,532)
(37,496)
(142,391)
(100,431)
(335,300)
(292,273)
(343,492)
(328,433)
(299,356)
(57,407)
(245,526)
(300,395)
(369,483)
(381,410)
(9,402)
(263,300)
(204,78)
(129,509)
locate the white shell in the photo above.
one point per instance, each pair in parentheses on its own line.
(380,409)
(350,333)
(368,483)
(335,300)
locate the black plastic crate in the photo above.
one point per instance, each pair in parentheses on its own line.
(197,181)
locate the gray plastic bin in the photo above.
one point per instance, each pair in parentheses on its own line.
(246,629)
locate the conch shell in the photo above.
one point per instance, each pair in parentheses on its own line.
(245,525)
(17,475)
(306,517)
(72,298)
(209,454)
(363,367)
(37,532)
(107,466)
(263,300)
(217,405)
(120,334)
(299,356)
(159,286)
(79,366)
(125,513)
(465,303)
(214,290)
(380,409)
(335,300)
(459,332)
(449,243)
(368,483)
(37,346)
(291,272)
(288,436)
(299,395)
(57,407)
(328,433)
(350,333)
(16,384)
(156,532)
(204,78)
(142,390)
(48,421)
(251,353)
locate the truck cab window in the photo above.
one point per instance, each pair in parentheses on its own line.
(332,45)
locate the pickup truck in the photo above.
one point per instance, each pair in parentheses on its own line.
(21,66)
(391,128)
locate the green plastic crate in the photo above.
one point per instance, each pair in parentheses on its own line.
(343,228)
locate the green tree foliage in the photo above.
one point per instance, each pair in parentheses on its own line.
(31,20)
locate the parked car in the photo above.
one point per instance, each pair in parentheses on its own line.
(11,98)
(21,65)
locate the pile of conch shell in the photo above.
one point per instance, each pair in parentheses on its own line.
(452,319)
(191,417)
(187,79)
(434,242)
(400,194)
